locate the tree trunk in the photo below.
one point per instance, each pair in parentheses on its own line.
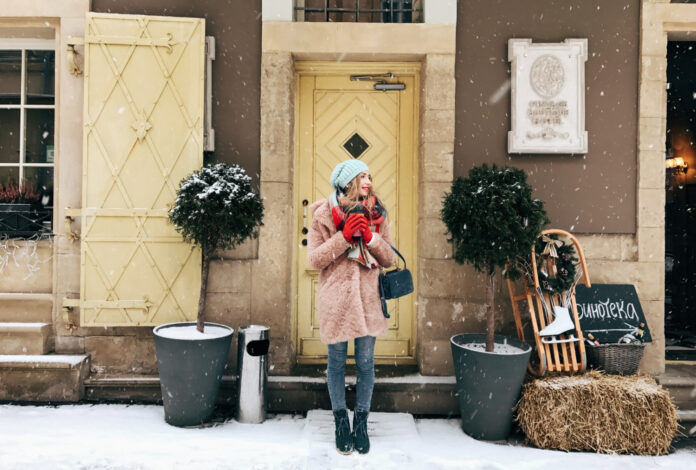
(490,311)
(204,285)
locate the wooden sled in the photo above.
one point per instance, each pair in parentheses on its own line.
(562,353)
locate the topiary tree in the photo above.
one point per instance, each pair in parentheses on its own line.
(216,208)
(492,219)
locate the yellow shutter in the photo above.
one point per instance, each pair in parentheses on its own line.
(143,118)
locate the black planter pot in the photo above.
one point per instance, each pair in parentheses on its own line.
(488,385)
(190,372)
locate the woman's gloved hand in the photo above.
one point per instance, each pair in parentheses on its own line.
(354,222)
(367,234)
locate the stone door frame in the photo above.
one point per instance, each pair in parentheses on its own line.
(660,21)
(282,44)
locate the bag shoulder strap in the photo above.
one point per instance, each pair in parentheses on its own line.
(397,252)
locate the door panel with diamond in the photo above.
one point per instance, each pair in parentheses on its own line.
(339,119)
(143,115)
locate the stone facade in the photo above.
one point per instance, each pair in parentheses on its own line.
(253,284)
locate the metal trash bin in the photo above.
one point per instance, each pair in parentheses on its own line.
(252,350)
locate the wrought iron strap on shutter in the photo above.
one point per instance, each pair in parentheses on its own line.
(143,132)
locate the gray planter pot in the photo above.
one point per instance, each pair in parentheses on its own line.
(488,385)
(190,371)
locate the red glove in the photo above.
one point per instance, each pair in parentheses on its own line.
(354,222)
(367,234)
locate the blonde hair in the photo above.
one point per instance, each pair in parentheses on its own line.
(351,195)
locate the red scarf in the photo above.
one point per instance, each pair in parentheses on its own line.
(341,210)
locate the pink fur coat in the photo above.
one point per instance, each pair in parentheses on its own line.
(348,301)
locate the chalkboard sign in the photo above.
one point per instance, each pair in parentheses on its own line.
(609,311)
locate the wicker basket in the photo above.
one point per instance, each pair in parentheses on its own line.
(615,358)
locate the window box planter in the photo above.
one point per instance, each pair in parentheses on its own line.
(20,220)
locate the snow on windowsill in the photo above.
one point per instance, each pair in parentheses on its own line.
(52,359)
(25,325)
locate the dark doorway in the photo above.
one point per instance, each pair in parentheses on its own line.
(680,209)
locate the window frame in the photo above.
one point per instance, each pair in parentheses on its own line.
(23,45)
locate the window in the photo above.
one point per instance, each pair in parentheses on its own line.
(27,129)
(368,11)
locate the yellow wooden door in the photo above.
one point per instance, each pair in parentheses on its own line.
(340,119)
(143,118)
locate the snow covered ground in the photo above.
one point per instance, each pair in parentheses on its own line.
(136,437)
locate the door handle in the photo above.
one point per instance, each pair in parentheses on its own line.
(305,231)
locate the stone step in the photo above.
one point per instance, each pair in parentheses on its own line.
(413,393)
(384,430)
(26,307)
(682,390)
(43,378)
(687,420)
(688,416)
(25,338)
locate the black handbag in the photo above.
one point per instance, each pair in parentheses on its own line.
(394,284)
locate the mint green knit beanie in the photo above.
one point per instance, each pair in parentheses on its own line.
(345,172)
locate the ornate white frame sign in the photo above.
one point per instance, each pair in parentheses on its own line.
(548,96)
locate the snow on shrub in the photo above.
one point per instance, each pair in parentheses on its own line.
(492,220)
(216,208)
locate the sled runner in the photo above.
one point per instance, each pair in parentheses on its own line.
(549,277)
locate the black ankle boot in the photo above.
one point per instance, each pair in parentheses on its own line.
(344,440)
(360,439)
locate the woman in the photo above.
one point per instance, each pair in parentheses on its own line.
(349,241)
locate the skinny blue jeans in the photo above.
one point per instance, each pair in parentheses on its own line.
(336,373)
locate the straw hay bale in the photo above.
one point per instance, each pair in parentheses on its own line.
(602,413)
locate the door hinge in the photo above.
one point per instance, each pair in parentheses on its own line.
(73,63)
(70,215)
(67,307)
(208,131)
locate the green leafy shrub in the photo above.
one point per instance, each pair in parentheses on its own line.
(492,220)
(216,208)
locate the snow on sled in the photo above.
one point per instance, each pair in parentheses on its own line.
(549,278)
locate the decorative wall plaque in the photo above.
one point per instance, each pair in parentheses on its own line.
(548,96)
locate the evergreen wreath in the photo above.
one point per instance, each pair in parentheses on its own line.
(564,277)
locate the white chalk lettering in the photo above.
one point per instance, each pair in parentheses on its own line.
(622,311)
(608,310)
(581,311)
(631,310)
(596,313)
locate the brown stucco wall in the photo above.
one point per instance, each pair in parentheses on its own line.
(236,26)
(595,193)
(449,297)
